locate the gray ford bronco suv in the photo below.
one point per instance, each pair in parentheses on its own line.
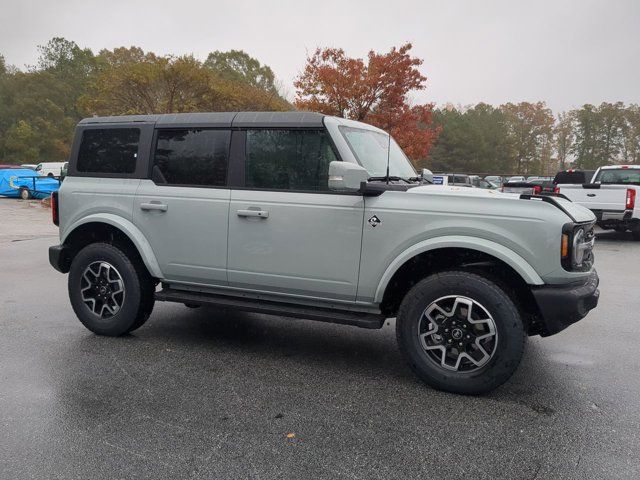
(311,216)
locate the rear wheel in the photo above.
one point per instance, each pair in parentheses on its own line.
(460,332)
(110,292)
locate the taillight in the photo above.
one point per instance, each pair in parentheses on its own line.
(556,189)
(631,199)
(54,208)
(537,189)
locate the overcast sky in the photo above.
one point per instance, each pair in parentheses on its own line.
(566,53)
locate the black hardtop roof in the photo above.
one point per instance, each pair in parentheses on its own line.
(219,119)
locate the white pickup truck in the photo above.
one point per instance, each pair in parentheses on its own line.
(611,196)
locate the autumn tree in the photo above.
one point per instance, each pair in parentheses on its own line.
(373,91)
(39,107)
(131,81)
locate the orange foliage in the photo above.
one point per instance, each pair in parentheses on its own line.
(374,92)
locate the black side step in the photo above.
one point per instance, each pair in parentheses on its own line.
(344,317)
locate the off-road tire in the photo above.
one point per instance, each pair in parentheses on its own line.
(508,325)
(138,290)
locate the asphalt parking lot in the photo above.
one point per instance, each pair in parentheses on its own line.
(208,394)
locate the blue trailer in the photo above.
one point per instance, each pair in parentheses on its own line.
(24,183)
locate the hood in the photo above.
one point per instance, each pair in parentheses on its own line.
(576,212)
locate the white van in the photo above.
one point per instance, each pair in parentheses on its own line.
(50,169)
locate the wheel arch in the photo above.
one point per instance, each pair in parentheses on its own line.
(483,257)
(112,228)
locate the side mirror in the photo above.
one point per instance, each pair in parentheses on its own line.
(427,175)
(346,176)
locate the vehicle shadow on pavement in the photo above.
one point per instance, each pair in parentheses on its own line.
(311,349)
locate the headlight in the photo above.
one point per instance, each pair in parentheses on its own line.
(577,246)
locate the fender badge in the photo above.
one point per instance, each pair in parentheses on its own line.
(374,221)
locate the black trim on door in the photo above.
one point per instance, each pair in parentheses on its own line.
(144,150)
(237,155)
(154,145)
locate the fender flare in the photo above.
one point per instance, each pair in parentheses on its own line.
(129,229)
(508,256)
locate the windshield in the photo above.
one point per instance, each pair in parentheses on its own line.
(629,176)
(371,150)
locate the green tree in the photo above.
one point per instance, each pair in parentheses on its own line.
(21,142)
(473,140)
(600,135)
(239,66)
(565,136)
(631,133)
(530,128)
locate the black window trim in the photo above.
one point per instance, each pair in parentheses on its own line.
(154,146)
(144,142)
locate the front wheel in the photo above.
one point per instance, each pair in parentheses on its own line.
(111,292)
(460,332)
(24,194)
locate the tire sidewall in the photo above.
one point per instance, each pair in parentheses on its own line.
(507,319)
(121,322)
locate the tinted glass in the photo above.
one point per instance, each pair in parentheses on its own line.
(570,177)
(192,157)
(629,176)
(288,159)
(112,150)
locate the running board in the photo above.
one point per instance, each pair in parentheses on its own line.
(343,317)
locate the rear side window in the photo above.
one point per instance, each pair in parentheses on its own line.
(192,157)
(288,159)
(109,150)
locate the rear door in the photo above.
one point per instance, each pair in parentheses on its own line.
(183,208)
(288,233)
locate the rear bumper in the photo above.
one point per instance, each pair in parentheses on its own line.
(612,215)
(59,258)
(561,306)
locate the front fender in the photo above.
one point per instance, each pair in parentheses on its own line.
(515,261)
(129,229)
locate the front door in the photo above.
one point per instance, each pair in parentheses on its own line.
(287,233)
(183,210)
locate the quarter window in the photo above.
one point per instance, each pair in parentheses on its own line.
(192,157)
(288,159)
(109,150)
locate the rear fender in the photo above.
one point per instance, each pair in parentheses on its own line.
(130,230)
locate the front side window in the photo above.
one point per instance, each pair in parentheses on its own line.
(109,150)
(288,159)
(371,149)
(192,157)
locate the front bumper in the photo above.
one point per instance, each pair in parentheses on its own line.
(561,306)
(59,258)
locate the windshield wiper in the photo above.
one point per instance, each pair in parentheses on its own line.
(391,178)
(414,179)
